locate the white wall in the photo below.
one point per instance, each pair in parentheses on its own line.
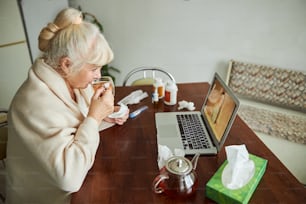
(36,15)
(14,55)
(195,38)
(15,58)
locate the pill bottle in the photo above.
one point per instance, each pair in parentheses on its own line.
(170,93)
(158,83)
(155,96)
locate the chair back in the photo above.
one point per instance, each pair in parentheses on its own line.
(3,144)
(141,76)
(3,133)
(3,141)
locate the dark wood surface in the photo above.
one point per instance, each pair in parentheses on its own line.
(126,160)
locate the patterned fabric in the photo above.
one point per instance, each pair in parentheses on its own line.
(282,87)
(289,127)
(275,86)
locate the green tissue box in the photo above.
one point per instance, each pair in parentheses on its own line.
(219,193)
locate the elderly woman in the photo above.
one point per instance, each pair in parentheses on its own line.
(55,116)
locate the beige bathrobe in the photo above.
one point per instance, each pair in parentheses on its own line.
(51,142)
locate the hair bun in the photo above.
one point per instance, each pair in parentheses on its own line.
(46,34)
(52,27)
(49,31)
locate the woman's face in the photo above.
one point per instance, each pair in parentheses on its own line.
(85,76)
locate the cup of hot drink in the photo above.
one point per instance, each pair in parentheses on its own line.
(105,81)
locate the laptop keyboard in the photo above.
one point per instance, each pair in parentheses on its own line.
(192,133)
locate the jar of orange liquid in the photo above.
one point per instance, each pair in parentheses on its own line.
(159,85)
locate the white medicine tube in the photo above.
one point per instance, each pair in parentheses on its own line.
(155,96)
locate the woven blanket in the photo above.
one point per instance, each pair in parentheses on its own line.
(289,127)
(272,85)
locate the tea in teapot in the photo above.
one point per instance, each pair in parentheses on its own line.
(177,177)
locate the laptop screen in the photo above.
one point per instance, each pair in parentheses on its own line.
(219,110)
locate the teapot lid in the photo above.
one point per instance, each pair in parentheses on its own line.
(179,165)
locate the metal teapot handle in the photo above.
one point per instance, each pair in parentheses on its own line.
(194,160)
(156,182)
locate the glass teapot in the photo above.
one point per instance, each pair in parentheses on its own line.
(177,177)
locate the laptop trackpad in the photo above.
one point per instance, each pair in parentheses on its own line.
(167,131)
(168,135)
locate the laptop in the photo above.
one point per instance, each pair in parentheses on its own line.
(202,131)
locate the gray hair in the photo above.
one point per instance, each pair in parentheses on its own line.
(70,36)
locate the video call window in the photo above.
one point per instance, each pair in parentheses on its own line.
(218,109)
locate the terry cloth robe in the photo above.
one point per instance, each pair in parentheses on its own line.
(51,142)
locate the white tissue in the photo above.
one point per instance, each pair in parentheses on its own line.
(164,153)
(119,114)
(240,169)
(188,105)
(134,97)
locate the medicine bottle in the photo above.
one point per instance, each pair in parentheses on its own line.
(159,85)
(155,96)
(170,93)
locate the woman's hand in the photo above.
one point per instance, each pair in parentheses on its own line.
(121,120)
(102,104)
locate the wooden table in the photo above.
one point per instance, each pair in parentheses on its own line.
(126,160)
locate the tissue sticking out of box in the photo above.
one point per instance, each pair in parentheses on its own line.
(164,153)
(240,169)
